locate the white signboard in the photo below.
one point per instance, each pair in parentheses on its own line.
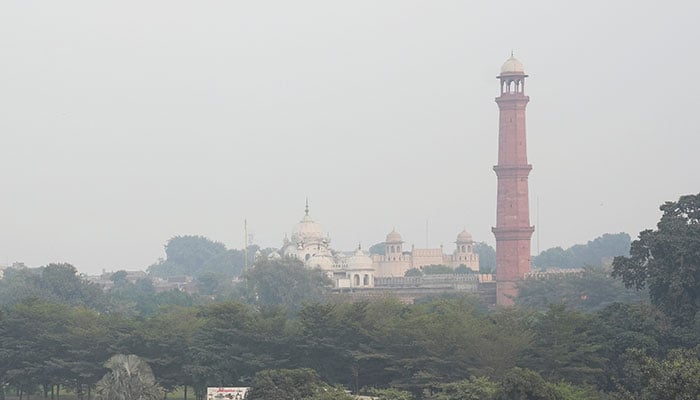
(226,393)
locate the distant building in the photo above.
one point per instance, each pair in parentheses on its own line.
(395,261)
(309,244)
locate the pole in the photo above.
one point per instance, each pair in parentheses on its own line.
(245,244)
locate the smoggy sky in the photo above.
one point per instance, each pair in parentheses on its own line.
(125,123)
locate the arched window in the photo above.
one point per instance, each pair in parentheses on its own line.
(357,280)
(365,280)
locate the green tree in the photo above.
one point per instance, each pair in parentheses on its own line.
(595,253)
(138,298)
(284,282)
(463,270)
(474,388)
(188,255)
(632,326)
(378,248)
(390,394)
(437,270)
(588,291)
(413,272)
(667,260)
(677,377)
(487,257)
(130,378)
(331,393)
(527,385)
(287,384)
(567,346)
(58,283)
(165,340)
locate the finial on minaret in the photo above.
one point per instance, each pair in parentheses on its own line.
(512,54)
(306,210)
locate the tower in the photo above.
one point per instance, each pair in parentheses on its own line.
(513,230)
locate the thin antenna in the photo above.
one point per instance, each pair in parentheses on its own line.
(245,244)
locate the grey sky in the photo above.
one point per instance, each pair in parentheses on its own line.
(125,123)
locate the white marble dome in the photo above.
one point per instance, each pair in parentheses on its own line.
(359,260)
(464,237)
(512,66)
(307,231)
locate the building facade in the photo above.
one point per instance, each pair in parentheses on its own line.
(357,269)
(395,261)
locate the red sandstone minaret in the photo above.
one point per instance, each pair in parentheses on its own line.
(513,230)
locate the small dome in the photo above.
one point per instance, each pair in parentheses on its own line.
(359,260)
(512,66)
(464,237)
(274,256)
(394,237)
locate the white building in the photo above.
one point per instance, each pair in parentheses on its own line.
(309,244)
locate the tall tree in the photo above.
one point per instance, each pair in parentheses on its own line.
(487,257)
(667,260)
(186,255)
(284,282)
(567,346)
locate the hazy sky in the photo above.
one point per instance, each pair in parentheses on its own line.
(124,123)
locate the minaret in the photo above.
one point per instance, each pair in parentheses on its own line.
(513,230)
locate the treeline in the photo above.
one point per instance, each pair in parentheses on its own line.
(416,348)
(592,254)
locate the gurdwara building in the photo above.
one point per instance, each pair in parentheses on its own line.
(357,269)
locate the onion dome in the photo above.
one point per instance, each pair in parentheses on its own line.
(307,230)
(464,237)
(359,260)
(394,237)
(512,66)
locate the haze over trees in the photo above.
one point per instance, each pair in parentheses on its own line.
(578,336)
(592,254)
(196,256)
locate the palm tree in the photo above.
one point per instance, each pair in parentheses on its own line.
(130,378)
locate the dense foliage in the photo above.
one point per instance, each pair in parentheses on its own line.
(579,336)
(589,290)
(593,254)
(487,257)
(196,256)
(424,349)
(667,260)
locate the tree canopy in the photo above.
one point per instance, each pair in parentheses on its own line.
(667,260)
(593,254)
(197,255)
